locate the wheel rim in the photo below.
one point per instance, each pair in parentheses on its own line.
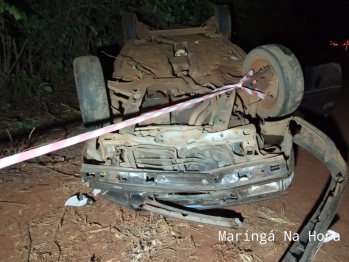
(268,83)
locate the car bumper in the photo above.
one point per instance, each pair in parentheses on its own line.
(317,143)
(232,185)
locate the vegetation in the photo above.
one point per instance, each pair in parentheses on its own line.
(40,38)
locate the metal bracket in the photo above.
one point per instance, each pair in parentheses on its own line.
(132,107)
(168,211)
(225,108)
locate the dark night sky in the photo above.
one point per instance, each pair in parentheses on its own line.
(327,18)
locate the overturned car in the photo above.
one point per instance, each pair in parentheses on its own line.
(227,150)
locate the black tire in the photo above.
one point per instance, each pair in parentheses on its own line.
(283,84)
(129,26)
(223,18)
(92,94)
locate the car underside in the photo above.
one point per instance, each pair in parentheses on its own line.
(231,149)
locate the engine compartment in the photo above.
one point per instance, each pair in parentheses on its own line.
(182,148)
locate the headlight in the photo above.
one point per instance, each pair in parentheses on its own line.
(288,180)
(260,189)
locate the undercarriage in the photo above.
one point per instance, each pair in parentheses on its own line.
(227,150)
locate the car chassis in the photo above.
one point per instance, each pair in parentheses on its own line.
(176,168)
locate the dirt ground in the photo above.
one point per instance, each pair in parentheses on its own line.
(35,225)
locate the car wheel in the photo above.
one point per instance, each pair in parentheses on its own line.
(91,91)
(223,18)
(129,26)
(283,84)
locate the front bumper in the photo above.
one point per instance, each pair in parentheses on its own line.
(317,143)
(231,185)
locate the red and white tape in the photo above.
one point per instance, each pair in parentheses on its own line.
(10,160)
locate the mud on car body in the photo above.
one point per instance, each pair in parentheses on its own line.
(221,152)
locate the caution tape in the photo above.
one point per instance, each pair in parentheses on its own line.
(10,160)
